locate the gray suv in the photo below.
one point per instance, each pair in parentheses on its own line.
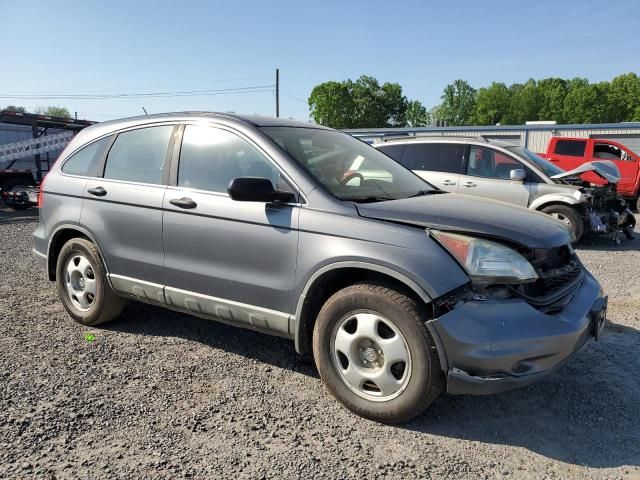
(400,291)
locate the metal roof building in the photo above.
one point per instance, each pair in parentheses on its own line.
(534,137)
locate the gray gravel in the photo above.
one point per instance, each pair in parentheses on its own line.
(158,394)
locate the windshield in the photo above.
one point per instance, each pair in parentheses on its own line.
(548,168)
(348,168)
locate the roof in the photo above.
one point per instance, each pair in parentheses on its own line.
(445,139)
(253,120)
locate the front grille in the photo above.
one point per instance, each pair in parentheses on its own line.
(559,274)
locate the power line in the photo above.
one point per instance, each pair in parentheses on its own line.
(183,93)
(294,97)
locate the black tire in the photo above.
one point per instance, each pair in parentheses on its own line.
(576,223)
(105,304)
(638,205)
(426,380)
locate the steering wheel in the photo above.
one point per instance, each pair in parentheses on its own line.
(351,175)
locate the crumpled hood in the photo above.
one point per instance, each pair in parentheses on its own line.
(468,214)
(603,168)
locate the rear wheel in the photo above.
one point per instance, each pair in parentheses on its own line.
(570,217)
(374,353)
(82,284)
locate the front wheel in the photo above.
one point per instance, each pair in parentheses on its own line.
(82,284)
(374,353)
(570,217)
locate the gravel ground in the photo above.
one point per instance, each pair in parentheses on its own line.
(159,394)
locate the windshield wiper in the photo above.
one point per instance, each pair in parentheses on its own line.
(420,193)
(369,199)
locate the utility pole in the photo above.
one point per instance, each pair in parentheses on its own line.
(277,92)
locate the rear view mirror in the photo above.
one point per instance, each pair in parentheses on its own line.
(256,189)
(517,175)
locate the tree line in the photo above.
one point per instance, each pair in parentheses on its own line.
(51,111)
(365,103)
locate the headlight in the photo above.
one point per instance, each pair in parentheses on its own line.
(486,261)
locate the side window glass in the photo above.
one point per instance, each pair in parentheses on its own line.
(393,151)
(607,151)
(572,148)
(434,157)
(84,161)
(139,155)
(488,163)
(210,158)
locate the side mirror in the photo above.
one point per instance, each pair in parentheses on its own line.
(517,175)
(255,189)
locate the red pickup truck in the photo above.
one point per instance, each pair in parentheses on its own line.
(569,153)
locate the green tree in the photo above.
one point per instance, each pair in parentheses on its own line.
(492,104)
(13,108)
(458,103)
(525,103)
(360,104)
(417,115)
(585,102)
(624,97)
(331,104)
(54,111)
(552,92)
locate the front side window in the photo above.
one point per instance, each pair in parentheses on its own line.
(85,161)
(606,151)
(210,158)
(346,167)
(546,166)
(139,155)
(572,148)
(434,157)
(489,163)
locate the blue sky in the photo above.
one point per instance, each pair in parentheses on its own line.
(81,47)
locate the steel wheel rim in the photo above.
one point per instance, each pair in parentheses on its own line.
(80,282)
(371,356)
(563,218)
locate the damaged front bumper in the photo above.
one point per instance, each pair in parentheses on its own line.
(497,345)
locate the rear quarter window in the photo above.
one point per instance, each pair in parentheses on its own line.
(434,157)
(84,162)
(572,148)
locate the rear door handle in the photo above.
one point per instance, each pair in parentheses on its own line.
(97,191)
(469,184)
(448,183)
(184,202)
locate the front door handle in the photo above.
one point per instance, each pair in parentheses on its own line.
(97,191)
(469,184)
(184,202)
(448,183)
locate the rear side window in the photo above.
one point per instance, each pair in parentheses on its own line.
(434,157)
(572,148)
(85,161)
(139,155)
(393,151)
(210,158)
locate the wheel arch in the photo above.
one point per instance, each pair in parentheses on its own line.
(555,199)
(331,278)
(61,235)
